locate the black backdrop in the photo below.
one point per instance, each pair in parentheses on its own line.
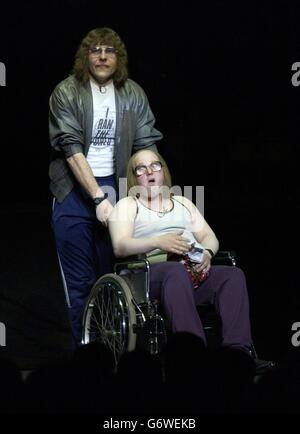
(218,77)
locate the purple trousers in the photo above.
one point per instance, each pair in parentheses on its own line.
(225,287)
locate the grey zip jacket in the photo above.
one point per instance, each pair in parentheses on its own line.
(71,124)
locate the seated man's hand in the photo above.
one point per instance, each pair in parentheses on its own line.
(173,243)
(204,265)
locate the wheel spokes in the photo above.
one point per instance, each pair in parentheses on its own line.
(109,319)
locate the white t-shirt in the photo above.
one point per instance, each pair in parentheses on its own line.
(101,152)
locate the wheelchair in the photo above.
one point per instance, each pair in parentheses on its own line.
(120,314)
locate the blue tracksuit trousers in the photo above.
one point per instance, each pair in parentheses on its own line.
(84,248)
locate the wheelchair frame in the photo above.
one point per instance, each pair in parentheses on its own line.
(119,312)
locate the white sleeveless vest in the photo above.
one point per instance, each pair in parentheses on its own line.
(150,223)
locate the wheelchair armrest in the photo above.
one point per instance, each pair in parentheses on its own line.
(132,258)
(222,257)
(225,257)
(132,262)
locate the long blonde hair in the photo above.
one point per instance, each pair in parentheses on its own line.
(131,176)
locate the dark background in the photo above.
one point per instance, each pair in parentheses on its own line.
(218,77)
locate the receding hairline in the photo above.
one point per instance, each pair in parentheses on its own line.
(137,154)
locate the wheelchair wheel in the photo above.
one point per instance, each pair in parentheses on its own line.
(109,316)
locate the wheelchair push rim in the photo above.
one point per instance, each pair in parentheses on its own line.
(109,316)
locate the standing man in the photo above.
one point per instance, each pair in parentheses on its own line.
(98,117)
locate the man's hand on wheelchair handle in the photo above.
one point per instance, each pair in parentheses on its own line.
(103,211)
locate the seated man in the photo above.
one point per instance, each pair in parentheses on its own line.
(153,221)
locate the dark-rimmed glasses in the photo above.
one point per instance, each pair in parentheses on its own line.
(140,170)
